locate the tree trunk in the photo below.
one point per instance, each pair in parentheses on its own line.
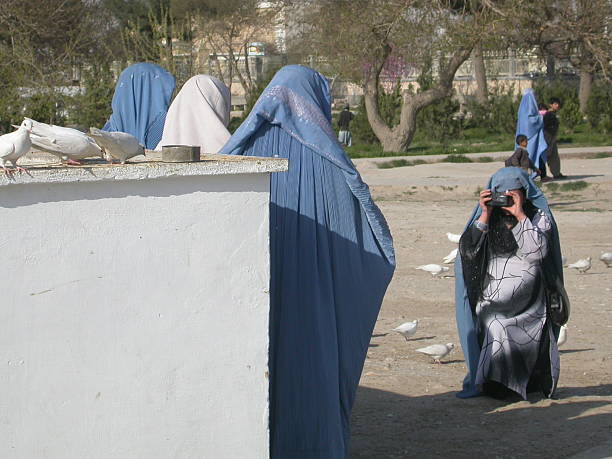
(550,66)
(584,92)
(399,138)
(480,73)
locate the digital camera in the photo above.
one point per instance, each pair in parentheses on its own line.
(500,200)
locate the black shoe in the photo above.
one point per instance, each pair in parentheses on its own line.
(560,177)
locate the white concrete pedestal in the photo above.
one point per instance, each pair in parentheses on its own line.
(134,311)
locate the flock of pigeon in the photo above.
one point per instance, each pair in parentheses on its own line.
(438,351)
(436,270)
(70,145)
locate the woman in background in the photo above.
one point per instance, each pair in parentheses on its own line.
(199,115)
(140,103)
(332,258)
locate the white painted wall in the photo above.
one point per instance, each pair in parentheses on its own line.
(134,318)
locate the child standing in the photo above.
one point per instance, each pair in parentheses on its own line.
(520,157)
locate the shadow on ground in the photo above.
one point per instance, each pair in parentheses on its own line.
(390,425)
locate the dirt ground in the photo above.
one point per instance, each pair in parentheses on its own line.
(406,406)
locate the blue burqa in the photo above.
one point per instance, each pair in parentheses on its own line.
(140,103)
(507,178)
(332,258)
(531,124)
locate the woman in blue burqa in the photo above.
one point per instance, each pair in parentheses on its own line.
(509,253)
(531,124)
(140,103)
(332,258)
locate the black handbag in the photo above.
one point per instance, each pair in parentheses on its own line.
(557,301)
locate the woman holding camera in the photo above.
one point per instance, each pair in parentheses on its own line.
(506,335)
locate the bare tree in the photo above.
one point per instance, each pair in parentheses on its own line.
(227,28)
(374,42)
(576,30)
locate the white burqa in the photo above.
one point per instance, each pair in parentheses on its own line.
(199,115)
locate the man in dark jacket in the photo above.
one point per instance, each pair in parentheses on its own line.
(551,128)
(344,121)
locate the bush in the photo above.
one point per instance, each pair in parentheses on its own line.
(599,107)
(93,106)
(360,127)
(570,115)
(498,115)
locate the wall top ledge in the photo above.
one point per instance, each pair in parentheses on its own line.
(149,168)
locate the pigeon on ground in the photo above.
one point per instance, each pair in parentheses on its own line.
(582,265)
(70,145)
(450,258)
(606,258)
(453,237)
(407,329)
(118,145)
(14,145)
(562,336)
(437,351)
(434,269)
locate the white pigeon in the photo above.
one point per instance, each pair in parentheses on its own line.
(450,258)
(71,145)
(582,265)
(407,329)
(562,336)
(606,258)
(437,351)
(453,237)
(434,269)
(14,145)
(118,145)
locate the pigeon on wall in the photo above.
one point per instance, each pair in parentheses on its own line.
(437,351)
(14,145)
(120,146)
(407,329)
(70,145)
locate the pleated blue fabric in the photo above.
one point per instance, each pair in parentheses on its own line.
(507,178)
(531,124)
(332,259)
(140,103)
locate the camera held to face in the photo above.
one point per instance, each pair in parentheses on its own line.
(500,200)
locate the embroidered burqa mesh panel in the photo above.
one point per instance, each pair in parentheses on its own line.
(140,103)
(332,259)
(531,124)
(466,320)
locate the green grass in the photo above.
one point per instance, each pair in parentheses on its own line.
(455,158)
(602,155)
(485,159)
(573,186)
(477,140)
(567,186)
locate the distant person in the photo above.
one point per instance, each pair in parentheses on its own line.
(510,257)
(551,129)
(520,157)
(531,125)
(199,115)
(142,95)
(331,261)
(344,121)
